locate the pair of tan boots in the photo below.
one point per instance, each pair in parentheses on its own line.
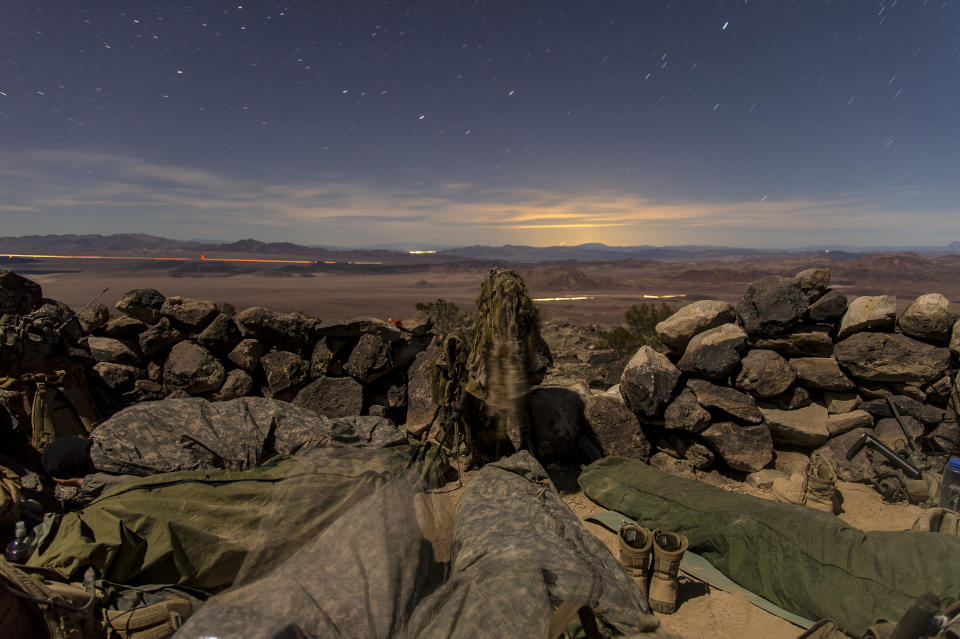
(653,558)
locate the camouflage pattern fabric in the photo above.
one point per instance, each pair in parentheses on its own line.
(192,433)
(519,554)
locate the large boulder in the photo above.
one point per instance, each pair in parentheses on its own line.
(556,421)
(678,329)
(221,335)
(118,378)
(772,304)
(192,369)
(714,353)
(18,295)
(247,353)
(331,396)
(159,337)
(614,428)
(889,431)
(791,399)
(839,402)
(283,370)
(845,422)
(804,341)
(362,326)
(829,309)
(746,448)
(143,304)
(238,383)
(729,400)
(371,358)
(123,326)
(289,331)
(814,282)
(194,315)
(869,313)
(420,406)
(802,427)
(328,356)
(764,373)
(821,372)
(891,357)
(906,406)
(955,339)
(929,317)
(686,413)
(648,382)
(115,351)
(93,318)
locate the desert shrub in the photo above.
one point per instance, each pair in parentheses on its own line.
(639,331)
(446,316)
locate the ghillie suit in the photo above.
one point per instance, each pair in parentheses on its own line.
(495,367)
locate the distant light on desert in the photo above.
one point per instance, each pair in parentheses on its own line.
(424,252)
(664,297)
(564,299)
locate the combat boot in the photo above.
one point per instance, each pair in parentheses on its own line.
(636,545)
(668,549)
(821,490)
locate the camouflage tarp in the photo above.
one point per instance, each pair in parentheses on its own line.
(806,561)
(196,528)
(518,554)
(193,433)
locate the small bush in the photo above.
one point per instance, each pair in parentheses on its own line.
(446,316)
(639,330)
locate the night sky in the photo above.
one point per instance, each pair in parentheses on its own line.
(772,124)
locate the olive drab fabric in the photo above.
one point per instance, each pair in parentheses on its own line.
(9,497)
(808,562)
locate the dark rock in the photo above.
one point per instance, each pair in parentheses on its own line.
(814,282)
(108,349)
(889,432)
(909,390)
(283,370)
(247,353)
(859,469)
(362,326)
(714,353)
(944,439)
(793,398)
(556,420)
(191,368)
(821,372)
(929,317)
(390,391)
(159,337)
(829,309)
(328,356)
(729,400)
(869,313)
(289,332)
(118,378)
(237,383)
(801,427)
(938,391)
(955,339)
(764,373)
(699,455)
(221,335)
(615,429)
(124,327)
(144,390)
(669,464)
(155,372)
(799,343)
(685,413)
(747,448)
(648,382)
(332,396)
(891,357)
(93,318)
(906,406)
(772,304)
(404,351)
(420,406)
(193,315)
(677,330)
(371,358)
(143,304)
(18,295)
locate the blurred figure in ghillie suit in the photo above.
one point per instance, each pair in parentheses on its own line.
(493,368)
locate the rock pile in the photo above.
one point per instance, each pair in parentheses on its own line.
(791,369)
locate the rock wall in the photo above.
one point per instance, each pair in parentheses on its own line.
(791,369)
(158,346)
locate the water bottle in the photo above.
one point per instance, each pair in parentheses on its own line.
(950,485)
(18,550)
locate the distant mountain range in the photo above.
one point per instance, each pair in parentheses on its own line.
(141,245)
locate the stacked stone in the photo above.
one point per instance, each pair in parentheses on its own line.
(790,370)
(174,347)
